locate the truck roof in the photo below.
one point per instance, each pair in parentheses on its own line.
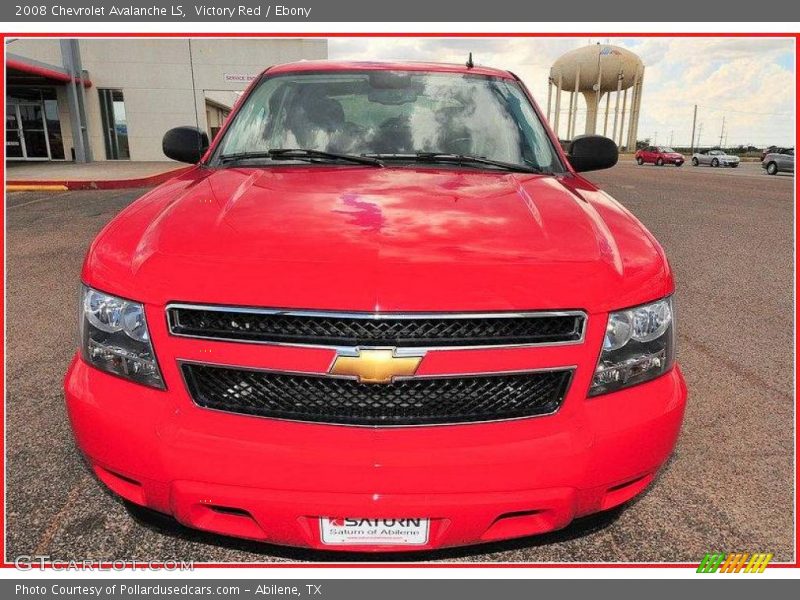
(430,67)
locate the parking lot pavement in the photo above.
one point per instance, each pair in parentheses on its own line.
(729,487)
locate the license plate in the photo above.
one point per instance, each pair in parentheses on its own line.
(352,531)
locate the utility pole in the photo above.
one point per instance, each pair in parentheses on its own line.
(722,131)
(699,133)
(671,137)
(694,122)
(655,138)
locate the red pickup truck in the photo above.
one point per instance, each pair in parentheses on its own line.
(383,311)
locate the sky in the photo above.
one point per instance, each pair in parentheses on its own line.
(749,81)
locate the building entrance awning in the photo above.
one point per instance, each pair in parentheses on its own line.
(22,71)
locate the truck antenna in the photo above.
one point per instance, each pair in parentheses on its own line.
(470,64)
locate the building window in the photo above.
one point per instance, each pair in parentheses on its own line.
(33,128)
(216,113)
(53,124)
(115,124)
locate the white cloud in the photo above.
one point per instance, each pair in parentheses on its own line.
(749,81)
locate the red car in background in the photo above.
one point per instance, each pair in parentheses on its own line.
(383,311)
(659,156)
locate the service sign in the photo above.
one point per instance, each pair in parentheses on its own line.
(238,77)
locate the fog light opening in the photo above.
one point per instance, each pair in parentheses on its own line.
(623,492)
(626,484)
(229,510)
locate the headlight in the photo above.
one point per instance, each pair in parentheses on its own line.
(114,338)
(639,345)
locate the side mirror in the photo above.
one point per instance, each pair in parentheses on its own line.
(592,152)
(185,144)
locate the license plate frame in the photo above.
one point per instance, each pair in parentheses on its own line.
(351,531)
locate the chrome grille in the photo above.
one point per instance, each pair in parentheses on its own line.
(412,330)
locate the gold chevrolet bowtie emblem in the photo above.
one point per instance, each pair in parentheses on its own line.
(375,366)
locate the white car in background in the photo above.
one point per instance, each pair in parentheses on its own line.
(715,158)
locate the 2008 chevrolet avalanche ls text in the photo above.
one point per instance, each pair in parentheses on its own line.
(381,312)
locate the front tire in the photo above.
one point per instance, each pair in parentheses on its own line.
(695,162)
(639,161)
(715,163)
(772,168)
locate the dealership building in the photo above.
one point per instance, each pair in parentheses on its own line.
(113,99)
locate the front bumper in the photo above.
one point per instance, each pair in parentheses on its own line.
(271,480)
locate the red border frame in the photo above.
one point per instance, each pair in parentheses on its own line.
(108,565)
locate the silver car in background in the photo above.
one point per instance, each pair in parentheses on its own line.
(715,158)
(779,162)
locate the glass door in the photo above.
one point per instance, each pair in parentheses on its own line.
(34,130)
(14,147)
(26,131)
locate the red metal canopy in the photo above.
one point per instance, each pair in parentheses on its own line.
(53,74)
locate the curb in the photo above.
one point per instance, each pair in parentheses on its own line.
(102,184)
(20,187)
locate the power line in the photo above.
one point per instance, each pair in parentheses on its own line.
(746,112)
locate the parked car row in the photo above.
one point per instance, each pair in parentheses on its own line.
(779,160)
(664,155)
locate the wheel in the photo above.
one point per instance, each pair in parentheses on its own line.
(715,163)
(678,164)
(734,165)
(695,162)
(772,168)
(660,162)
(639,161)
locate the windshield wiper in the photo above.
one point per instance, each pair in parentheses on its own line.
(300,154)
(458,159)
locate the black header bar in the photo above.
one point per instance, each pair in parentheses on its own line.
(377,11)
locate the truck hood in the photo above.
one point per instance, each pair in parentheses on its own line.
(392,239)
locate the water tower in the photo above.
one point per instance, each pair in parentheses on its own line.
(597,72)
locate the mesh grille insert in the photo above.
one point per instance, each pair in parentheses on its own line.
(412,401)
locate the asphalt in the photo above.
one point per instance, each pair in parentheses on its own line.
(728,487)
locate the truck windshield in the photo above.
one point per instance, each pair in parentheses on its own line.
(394,115)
